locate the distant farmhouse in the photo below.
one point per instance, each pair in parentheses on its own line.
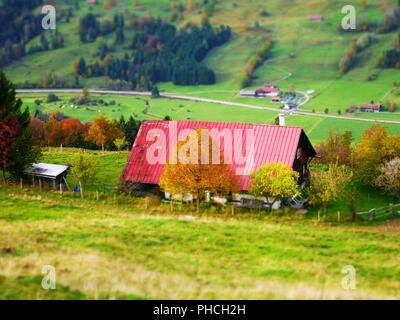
(371,107)
(316,18)
(268,90)
(281,144)
(367,107)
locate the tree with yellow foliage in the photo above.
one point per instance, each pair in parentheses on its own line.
(375,148)
(75,67)
(275,181)
(328,186)
(103,131)
(191,5)
(198,177)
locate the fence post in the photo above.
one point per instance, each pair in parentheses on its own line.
(319,215)
(97,195)
(80,189)
(371,214)
(233,210)
(40,184)
(392,210)
(338,216)
(20,183)
(146,204)
(61,190)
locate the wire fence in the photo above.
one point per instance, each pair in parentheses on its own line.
(392,210)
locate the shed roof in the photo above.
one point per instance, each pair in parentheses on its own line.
(271,144)
(47,170)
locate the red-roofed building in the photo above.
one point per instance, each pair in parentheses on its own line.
(268,90)
(371,107)
(259,144)
(316,18)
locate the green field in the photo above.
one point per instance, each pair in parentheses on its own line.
(316,49)
(316,128)
(102,251)
(119,247)
(115,249)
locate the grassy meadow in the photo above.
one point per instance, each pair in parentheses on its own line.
(159,254)
(119,247)
(316,128)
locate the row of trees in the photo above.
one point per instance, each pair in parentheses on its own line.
(56,41)
(369,159)
(56,129)
(391,58)
(350,56)
(90,27)
(262,54)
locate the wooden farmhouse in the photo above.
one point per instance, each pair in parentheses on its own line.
(270,143)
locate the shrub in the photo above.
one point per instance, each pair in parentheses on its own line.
(52,98)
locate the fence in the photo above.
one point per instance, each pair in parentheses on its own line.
(391,211)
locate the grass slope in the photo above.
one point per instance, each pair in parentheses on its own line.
(115,249)
(111,251)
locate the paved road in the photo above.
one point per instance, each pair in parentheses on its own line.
(198,99)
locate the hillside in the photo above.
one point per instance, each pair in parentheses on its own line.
(304,56)
(317,48)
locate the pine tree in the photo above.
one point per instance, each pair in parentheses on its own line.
(17,150)
(82,66)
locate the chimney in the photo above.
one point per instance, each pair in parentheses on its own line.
(282,120)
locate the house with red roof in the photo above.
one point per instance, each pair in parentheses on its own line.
(254,144)
(316,18)
(371,107)
(268,91)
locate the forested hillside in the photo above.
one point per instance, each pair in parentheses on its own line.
(160,52)
(19,24)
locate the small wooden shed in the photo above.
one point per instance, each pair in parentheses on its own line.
(54,175)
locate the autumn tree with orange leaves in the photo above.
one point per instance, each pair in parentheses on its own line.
(72,128)
(103,131)
(196,177)
(54,132)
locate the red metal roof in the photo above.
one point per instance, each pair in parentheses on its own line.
(271,144)
(268,90)
(371,106)
(316,18)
